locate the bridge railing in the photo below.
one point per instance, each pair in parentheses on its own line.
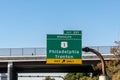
(22,51)
(102,49)
(42,51)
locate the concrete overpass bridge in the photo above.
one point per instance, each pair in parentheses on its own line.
(33,60)
(24,64)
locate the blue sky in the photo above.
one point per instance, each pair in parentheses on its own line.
(25,23)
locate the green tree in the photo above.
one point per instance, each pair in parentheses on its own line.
(88,78)
(116,76)
(114,65)
(49,78)
(70,76)
(116,49)
(79,76)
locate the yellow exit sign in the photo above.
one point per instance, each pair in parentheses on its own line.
(64,61)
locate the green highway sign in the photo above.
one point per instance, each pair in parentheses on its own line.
(64,49)
(74,32)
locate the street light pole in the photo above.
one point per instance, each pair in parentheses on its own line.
(104,74)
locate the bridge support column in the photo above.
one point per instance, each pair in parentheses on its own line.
(12,74)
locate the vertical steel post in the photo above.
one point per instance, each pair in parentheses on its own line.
(35,51)
(22,52)
(10,52)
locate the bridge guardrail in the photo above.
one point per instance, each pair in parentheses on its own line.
(42,51)
(21,51)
